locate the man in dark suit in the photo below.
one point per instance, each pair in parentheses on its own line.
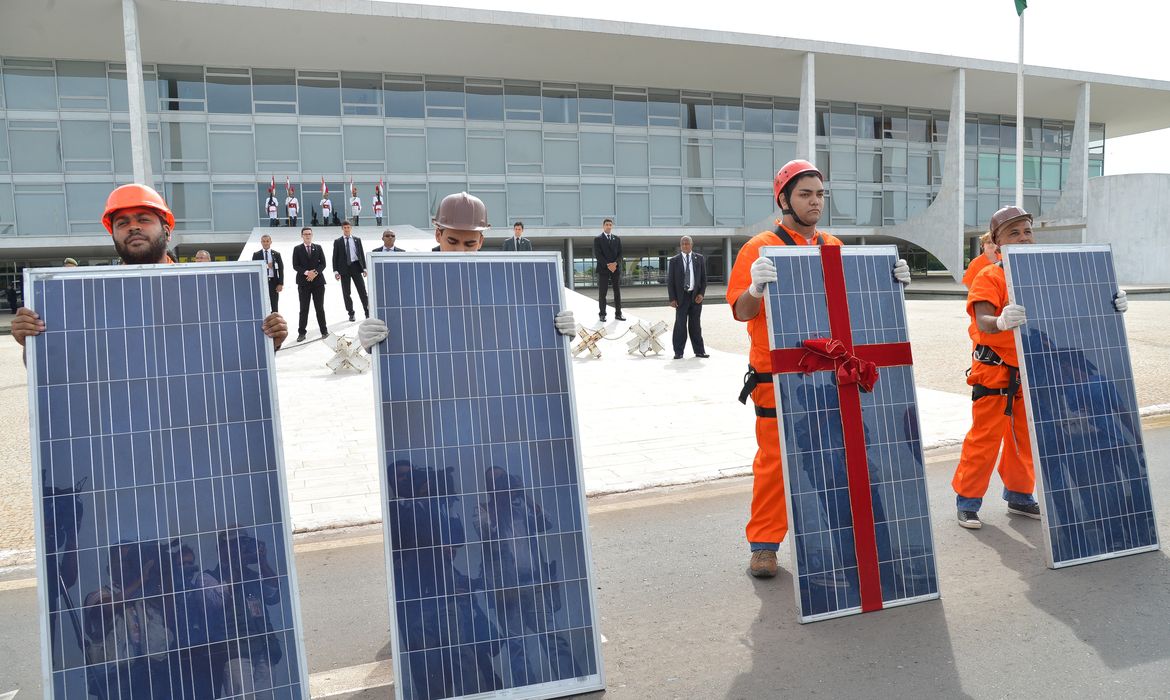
(607,251)
(686,282)
(349,266)
(274,269)
(309,262)
(388,238)
(518,241)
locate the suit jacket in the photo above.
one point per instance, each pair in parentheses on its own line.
(384,249)
(277,264)
(513,244)
(676,282)
(303,262)
(341,254)
(606,251)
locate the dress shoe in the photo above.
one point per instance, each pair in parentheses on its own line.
(701,354)
(619,317)
(324,334)
(351,317)
(601,317)
(678,357)
(300,337)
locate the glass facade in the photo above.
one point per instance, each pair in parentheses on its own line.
(554,154)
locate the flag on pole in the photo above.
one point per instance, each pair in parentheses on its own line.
(324,188)
(287,187)
(272,187)
(1021,5)
(378,187)
(352,187)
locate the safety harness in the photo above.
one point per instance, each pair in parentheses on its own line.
(987,356)
(754,378)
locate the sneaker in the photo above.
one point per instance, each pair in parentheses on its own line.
(763,563)
(970,520)
(300,338)
(1028,510)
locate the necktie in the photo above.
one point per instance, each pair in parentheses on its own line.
(687,271)
(268,259)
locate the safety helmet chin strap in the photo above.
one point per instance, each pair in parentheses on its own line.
(787,192)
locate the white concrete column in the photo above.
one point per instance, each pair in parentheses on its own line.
(806,126)
(1071,208)
(139,141)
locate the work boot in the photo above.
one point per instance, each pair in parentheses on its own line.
(763,563)
(1028,510)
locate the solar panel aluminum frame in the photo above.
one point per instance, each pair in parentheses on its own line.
(554,689)
(1034,249)
(33,275)
(846,251)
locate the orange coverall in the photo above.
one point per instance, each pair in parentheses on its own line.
(769,518)
(975,268)
(989,426)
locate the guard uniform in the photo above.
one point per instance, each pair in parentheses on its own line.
(355,209)
(273,211)
(768,524)
(294,210)
(378,209)
(997,407)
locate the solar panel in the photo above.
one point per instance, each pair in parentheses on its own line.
(853,467)
(487,547)
(164,562)
(1087,448)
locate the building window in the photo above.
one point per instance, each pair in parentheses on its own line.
(560,103)
(522,100)
(631,154)
(445,97)
(87,147)
(597,203)
(697,109)
(757,114)
(562,205)
(408,203)
(526,202)
(446,150)
(318,93)
(321,149)
(666,205)
(84,203)
(190,202)
(729,158)
(485,100)
(35,146)
(82,85)
(234,207)
(277,147)
(404,96)
(485,150)
(665,109)
(629,106)
(274,91)
(29,84)
(365,148)
(561,156)
(361,94)
(523,148)
(596,104)
(39,211)
(665,156)
(597,153)
(633,206)
(729,206)
(232,148)
(699,207)
(406,151)
(181,89)
(728,112)
(229,91)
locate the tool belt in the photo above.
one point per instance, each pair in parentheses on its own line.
(750,381)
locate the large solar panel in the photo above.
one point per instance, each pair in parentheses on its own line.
(487,548)
(1091,469)
(164,563)
(853,466)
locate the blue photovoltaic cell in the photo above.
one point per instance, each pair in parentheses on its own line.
(1082,405)
(820,517)
(163,553)
(487,549)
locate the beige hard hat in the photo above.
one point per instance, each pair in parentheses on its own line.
(1006,216)
(462,212)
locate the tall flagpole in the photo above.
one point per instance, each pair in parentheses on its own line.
(1020,120)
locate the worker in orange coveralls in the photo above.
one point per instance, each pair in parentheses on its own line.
(800,193)
(988,255)
(997,408)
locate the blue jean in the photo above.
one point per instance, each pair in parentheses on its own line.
(767,546)
(1012,497)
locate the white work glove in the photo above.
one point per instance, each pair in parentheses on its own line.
(763,272)
(371,332)
(902,271)
(1120,302)
(1012,316)
(565,323)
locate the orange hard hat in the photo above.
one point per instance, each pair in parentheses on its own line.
(135,195)
(792,169)
(1005,216)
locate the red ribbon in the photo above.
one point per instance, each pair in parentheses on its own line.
(855,368)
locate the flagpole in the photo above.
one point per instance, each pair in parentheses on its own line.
(1020,120)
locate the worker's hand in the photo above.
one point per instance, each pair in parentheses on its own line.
(565,323)
(274,327)
(26,323)
(1120,302)
(1011,317)
(371,332)
(902,272)
(763,272)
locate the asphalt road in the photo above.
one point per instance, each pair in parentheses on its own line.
(683,620)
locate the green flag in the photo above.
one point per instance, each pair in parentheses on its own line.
(1020,5)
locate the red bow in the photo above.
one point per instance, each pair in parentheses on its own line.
(825,353)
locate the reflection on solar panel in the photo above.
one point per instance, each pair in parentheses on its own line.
(853,465)
(1082,407)
(486,541)
(164,562)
